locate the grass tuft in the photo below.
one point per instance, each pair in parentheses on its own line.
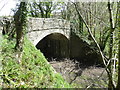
(33,72)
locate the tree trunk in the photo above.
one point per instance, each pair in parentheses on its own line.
(20,26)
(80,26)
(110,83)
(118,83)
(94,32)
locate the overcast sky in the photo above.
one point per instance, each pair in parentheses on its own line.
(6,6)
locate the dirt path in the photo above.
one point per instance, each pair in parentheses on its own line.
(79,75)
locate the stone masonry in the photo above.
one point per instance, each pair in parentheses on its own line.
(38,28)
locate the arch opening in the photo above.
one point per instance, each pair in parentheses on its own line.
(54,45)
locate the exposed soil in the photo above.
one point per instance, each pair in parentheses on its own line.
(79,75)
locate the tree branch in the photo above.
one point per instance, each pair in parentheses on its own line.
(89,30)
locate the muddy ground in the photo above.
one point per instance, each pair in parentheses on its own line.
(81,75)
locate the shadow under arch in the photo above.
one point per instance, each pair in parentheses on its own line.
(54,45)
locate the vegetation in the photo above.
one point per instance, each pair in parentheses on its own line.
(43,9)
(97,23)
(103,35)
(33,72)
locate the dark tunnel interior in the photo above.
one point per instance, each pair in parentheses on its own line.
(54,46)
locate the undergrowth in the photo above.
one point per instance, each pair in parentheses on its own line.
(33,72)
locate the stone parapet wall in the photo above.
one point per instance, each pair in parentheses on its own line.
(47,23)
(38,28)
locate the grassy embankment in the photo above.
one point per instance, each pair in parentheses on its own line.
(34,70)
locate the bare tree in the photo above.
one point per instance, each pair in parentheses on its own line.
(112,28)
(107,62)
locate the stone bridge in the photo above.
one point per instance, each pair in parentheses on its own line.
(50,35)
(54,39)
(38,28)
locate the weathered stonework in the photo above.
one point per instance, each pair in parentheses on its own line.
(53,37)
(38,28)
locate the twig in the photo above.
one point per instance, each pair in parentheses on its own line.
(89,30)
(3,6)
(99,76)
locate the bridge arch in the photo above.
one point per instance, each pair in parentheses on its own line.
(55,45)
(38,28)
(36,36)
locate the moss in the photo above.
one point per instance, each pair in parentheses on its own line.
(34,70)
